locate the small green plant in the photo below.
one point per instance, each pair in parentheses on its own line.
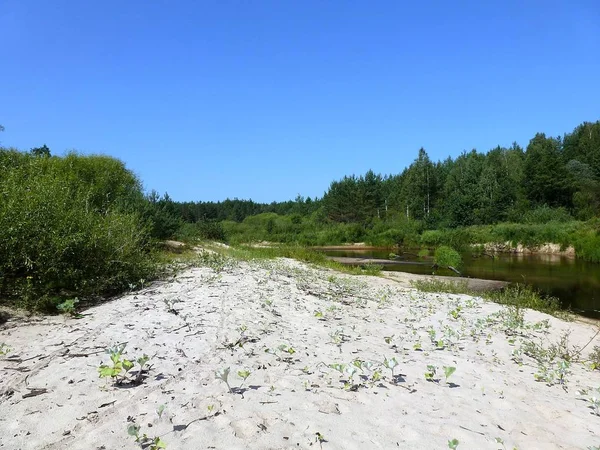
(223,374)
(4,349)
(594,358)
(455,313)
(448,371)
(243,374)
(280,350)
(593,400)
(69,307)
(390,364)
(146,442)
(122,366)
(320,438)
(430,373)
(554,374)
(160,410)
(453,444)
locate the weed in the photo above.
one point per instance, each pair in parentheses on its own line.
(69,307)
(146,442)
(453,444)
(430,373)
(280,350)
(4,349)
(243,374)
(320,438)
(390,364)
(593,400)
(436,285)
(525,297)
(593,357)
(223,374)
(448,371)
(554,374)
(122,366)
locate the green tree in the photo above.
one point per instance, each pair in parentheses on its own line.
(42,151)
(462,194)
(420,187)
(546,179)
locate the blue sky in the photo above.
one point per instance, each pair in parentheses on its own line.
(268,99)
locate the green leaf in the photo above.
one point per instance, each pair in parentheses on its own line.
(158,443)
(107,371)
(390,363)
(127,365)
(453,444)
(142,360)
(243,374)
(133,430)
(223,374)
(448,371)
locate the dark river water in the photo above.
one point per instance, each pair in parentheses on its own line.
(576,283)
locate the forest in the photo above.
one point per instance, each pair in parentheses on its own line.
(547,192)
(82,224)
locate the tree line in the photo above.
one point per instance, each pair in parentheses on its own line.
(558,174)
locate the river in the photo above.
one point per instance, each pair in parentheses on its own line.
(575,282)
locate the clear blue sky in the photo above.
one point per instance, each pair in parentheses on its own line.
(268,99)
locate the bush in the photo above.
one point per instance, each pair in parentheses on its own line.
(63,232)
(545,214)
(202,230)
(447,257)
(526,297)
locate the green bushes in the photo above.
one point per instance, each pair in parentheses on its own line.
(68,229)
(525,297)
(447,257)
(202,230)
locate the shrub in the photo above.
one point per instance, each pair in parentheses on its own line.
(545,214)
(447,257)
(63,233)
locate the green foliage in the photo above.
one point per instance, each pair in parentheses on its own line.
(525,297)
(121,366)
(68,307)
(4,349)
(437,285)
(544,214)
(68,228)
(202,230)
(447,257)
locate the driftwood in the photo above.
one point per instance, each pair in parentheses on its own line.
(453,269)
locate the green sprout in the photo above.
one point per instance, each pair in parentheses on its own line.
(243,374)
(430,373)
(223,374)
(154,443)
(4,349)
(453,444)
(121,366)
(68,307)
(448,371)
(390,364)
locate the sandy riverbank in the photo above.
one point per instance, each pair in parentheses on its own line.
(308,320)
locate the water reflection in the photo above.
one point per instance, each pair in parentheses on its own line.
(576,283)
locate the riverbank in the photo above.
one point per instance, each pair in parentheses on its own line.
(331,360)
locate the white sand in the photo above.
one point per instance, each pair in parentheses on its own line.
(289,398)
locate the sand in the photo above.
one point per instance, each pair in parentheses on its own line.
(288,324)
